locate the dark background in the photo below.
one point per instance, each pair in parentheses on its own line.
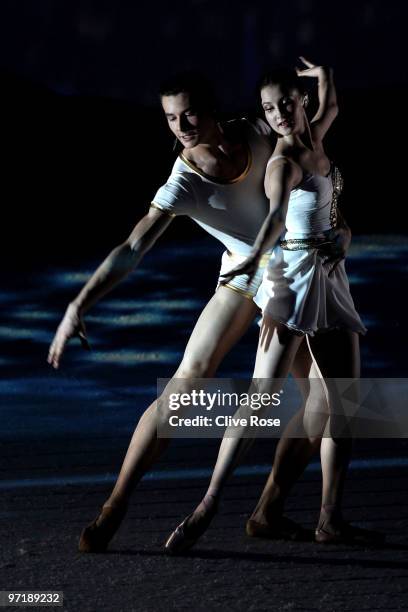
(85,146)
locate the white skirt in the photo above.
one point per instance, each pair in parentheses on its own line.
(296,290)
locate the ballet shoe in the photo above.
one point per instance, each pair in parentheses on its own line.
(179,542)
(96,536)
(185,536)
(344,533)
(282,528)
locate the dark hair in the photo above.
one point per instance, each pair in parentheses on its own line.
(198,87)
(285,77)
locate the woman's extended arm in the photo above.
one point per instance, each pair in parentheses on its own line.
(281,177)
(118,264)
(328,108)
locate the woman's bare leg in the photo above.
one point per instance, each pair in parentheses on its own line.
(299,442)
(277,348)
(276,352)
(338,356)
(332,354)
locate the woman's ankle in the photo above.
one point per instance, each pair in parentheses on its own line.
(331,513)
(267,512)
(210,501)
(115,504)
(202,516)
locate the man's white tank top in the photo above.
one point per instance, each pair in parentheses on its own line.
(231,211)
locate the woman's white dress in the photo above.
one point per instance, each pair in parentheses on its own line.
(296,288)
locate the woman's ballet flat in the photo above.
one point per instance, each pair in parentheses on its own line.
(97,535)
(178,541)
(282,529)
(348,534)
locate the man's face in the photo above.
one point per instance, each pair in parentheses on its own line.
(189,125)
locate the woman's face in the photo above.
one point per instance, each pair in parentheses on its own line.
(190,126)
(283,109)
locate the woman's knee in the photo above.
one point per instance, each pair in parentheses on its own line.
(314,424)
(198,367)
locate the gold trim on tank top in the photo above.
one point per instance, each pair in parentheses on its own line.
(215,179)
(154,205)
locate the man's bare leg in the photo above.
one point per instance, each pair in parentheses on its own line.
(222,323)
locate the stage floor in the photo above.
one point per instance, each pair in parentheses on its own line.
(64,434)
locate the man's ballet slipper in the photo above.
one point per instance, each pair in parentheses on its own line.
(97,535)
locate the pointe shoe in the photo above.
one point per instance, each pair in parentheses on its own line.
(282,528)
(344,533)
(97,535)
(180,540)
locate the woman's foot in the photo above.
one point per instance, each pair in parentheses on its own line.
(280,528)
(333,529)
(97,535)
(270,523)
(192,528)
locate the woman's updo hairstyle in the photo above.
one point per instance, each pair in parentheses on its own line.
(285,77)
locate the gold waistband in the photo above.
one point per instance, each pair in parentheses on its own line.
(299,244)
(239,258)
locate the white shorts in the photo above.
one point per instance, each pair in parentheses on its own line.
(239,283)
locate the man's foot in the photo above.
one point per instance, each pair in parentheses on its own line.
(280,528)
(192,528)
(97,535)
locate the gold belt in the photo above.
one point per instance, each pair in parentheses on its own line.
(298,244)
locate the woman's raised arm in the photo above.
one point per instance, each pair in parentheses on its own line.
(328,108)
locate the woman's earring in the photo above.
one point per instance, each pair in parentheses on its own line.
(175,145)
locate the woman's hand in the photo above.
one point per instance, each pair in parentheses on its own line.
(312,70)
(328,108)
(249,266)
(71,325)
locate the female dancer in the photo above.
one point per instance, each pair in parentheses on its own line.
(226,163)
(298,296)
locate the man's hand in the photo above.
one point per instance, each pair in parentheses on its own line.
(71,325)
(334,252)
